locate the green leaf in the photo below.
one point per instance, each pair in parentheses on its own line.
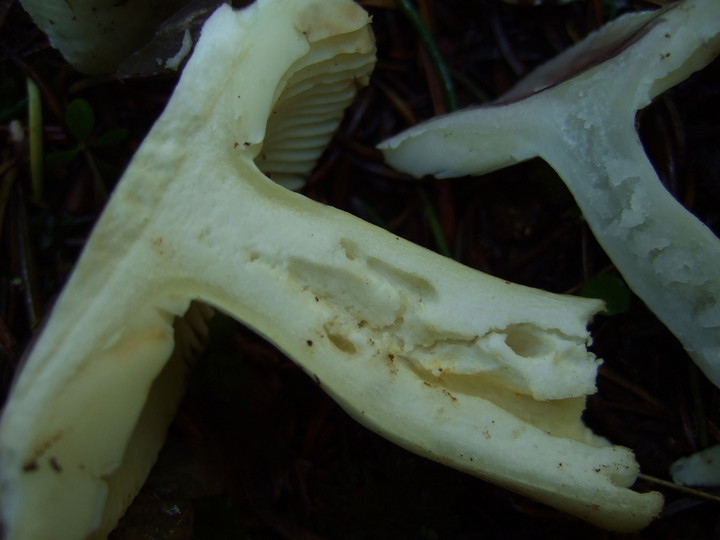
(114,137)
(80,119)
(61,158)
(611,289)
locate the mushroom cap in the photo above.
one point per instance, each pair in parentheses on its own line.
(89,410)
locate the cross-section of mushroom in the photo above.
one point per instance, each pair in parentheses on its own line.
(483,375)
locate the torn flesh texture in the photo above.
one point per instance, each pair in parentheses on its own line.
(477,373)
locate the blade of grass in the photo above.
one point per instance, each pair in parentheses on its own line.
(26,259)
(99,180)
(682,489)
(35,133)
(435,226)
(448,86)
(8,173)
(451,102)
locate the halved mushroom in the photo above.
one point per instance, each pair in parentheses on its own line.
(90,408)
(483,375)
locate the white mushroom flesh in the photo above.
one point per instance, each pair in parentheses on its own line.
(577,112)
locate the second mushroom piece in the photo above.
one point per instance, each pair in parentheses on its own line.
(577,112)
(479,374)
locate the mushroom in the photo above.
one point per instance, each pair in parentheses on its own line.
(111,30)
(464,368)
(698,469)
(577,112)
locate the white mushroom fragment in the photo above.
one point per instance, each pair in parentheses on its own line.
(577,112)
(699,469)
(482,375)
(111,30)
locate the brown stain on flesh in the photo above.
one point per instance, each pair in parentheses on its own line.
(161,248)
(33,464)
(55,465)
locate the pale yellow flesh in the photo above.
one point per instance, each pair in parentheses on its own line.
(472,371)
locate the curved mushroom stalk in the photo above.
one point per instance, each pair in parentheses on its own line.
(469,370)
(577,112)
